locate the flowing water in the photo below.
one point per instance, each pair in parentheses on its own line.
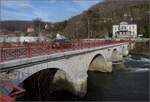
(129,81)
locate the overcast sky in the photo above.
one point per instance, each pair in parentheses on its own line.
(47,10)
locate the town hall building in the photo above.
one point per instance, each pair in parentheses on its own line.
(125,30)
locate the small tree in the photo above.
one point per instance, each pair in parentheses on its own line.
(110,34)
(38,24)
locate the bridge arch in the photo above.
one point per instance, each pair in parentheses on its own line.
(42,84)
(25,73)
(99,63)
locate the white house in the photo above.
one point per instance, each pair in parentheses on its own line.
(30,29)
(125,30)
(59,36)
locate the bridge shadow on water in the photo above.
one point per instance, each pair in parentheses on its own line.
(125,83)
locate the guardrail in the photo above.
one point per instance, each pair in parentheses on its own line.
(27,50)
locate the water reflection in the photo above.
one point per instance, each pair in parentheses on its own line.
(127,82)
(99,85)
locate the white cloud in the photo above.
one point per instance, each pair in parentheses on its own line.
(27,9)
(16,4)
(7,15)
(56,1)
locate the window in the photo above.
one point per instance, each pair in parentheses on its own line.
(122,27)
(125,28)
(115,28)
(129,27)
(133,27)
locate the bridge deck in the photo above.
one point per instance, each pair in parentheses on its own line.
(18,51)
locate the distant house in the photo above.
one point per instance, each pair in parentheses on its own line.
(125,30)
(8,36)
(59,36)
(46,27)
(22,38)
(30,29)
(18,36)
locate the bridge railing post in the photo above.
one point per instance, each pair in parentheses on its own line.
(94,43)
(1,54)
(29,51)
(61,48)
(16,53)
(49,48)
(90,43)
(79,45)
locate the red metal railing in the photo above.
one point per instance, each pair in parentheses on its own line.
(15,90)
(27,50)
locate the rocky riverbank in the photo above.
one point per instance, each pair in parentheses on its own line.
(141,47)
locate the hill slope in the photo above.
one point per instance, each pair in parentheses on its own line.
(100,17)
(97,21)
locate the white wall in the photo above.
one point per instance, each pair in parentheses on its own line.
(21,39)
(115,29)
(129,27)
(28,39)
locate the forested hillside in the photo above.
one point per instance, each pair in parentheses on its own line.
(97,21)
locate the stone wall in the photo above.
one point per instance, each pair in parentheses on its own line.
(141,47)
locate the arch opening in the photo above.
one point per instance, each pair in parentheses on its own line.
(99,63)
(47,84)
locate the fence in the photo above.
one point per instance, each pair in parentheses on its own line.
(12,51)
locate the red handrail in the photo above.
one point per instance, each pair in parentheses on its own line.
(40,48)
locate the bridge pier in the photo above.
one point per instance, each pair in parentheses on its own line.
(125,52)
(80,87)
(99,64)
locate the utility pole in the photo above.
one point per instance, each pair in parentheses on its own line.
(39,27)
(39,32)
(88,28)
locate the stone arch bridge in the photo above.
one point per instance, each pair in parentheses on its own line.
(73,65)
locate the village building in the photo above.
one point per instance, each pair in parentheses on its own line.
(30,29)
(125,30)
(18,36)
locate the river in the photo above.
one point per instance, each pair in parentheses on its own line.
(129,81)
